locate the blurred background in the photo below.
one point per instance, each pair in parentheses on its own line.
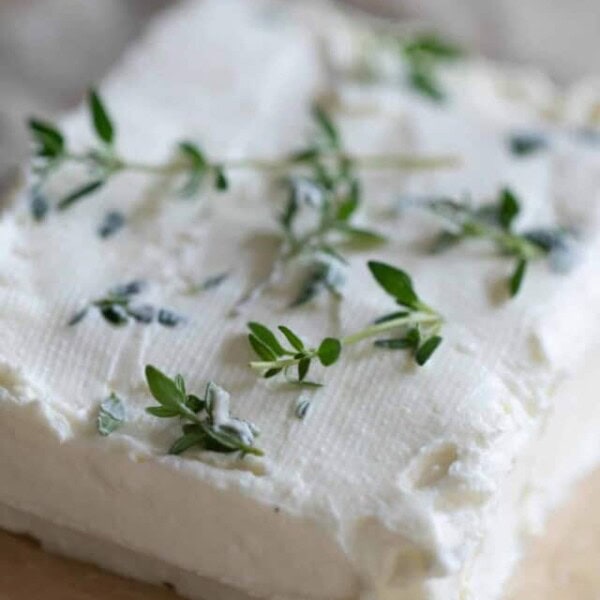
(52,50)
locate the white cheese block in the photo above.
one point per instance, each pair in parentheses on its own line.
(402,483)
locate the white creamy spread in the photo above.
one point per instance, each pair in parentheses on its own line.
(401,480)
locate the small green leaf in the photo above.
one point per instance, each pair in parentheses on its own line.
(402,343)
(431,45)
(187,441)
(114,314)
(509,208)
(100,118)
(395,282)
(78,316)
(423,354)
(312,286)
(226,442)
(49,139)
(412,339)
(525,144)
(271,373)
(363,237)
(192,186)
(444,241)
(163,388)
(112,222)
(199,166)
(348,207)
(305,156)
(168,318)
(516,279)
(329,351)
(221,179)
(290,212)
(267,337)
(79,193)
(414,336)
(330,251)
(326,126)
(194,403)
(180,384)
(210,283)
(163,412)
(195,156)
(111,415)
(302,408)
(303,367)
(392,317)
(292,338)
(262,350)
(305,383)
(424,82)
(38,204)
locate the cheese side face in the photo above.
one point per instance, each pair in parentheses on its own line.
(397,480)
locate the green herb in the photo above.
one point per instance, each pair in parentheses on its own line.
(102,161)
(209,283)
(526,143)
(495,222)
(206,423)
(417,324)
(79,193)
(113,222)
(38,204)
(111,415)
(424,54)
(118,308)
(303,407)
(102,122)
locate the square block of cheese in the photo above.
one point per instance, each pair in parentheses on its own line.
(402,483)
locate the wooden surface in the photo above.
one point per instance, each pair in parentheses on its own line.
(563,565)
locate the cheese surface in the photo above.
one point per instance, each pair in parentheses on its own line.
(402,482)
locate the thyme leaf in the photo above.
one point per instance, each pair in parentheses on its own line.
(111,415)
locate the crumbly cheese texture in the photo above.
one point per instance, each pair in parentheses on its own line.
(402,483)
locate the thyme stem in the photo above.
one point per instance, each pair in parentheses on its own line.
(409,162)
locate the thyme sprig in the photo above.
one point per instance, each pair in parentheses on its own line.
(205,421)
(318,222)
(118,308)
(416,328)
(103,162)
(495,222)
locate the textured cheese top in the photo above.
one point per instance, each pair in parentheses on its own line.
(388,448)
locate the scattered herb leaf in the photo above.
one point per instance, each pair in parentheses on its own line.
(211,282)
(111,415)
(527,143)
(117,308)
(113,222)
